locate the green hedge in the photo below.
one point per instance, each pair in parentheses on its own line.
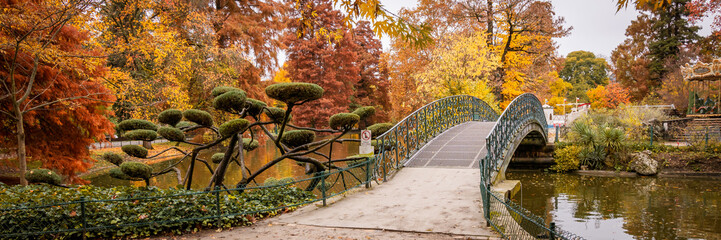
(294,92)
(167,211)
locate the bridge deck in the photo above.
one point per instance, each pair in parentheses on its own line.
(461,146)
(443,198)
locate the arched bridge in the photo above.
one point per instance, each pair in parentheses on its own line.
(462,132)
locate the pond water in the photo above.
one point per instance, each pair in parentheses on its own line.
(254,159)
(624,208)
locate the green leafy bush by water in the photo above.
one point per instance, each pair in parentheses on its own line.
(566,159)
(150,211)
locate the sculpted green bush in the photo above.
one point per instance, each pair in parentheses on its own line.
(275,114)
(185,124)
(232,101)
(170,116)
(293,92)
(566,159)
(172,134)
(217,91)
(250,144)
(172,211)
(113,158)
(119,174)
(217,158)
(42,175)
(295,138)
(135,151)
(379,128)
(137,170)
(254,106)
(365,112)
(343,120)
(232,127)
(133,124)
(199,117)
(141,135)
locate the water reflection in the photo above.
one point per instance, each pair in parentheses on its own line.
(625,208)
(254,159)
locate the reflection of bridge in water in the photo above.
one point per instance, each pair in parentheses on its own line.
(448,148)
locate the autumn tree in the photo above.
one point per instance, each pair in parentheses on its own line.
(372,87)
(609,96)
(630,61)
(328,62)
(51,94)
(583,70)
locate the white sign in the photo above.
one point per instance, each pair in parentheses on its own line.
(365,146)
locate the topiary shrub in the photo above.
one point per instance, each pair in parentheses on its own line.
(113,158)
(343,120)
(141,134)
(185,124)
(42,175)
(295,138)
(271,181)
(254,106)
(170,116)
(217,158)
(250,144)
(232,127)
(135,151)
(292,93)
(119,174)
(232,101)
(379,128)
(217,91)
(365,112)
(567,158)
(137,170)
(199,117)
(172,134)
(133,124)
(275,114)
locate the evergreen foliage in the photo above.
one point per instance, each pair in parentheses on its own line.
(135,151)
(170,116)
(232,101)
(294,92)
(379,128)
(172,134)
(343,120)
(42,175)
(295,138)
(113,158)
(133,124)
(232,127)
(199,117)
(141,134)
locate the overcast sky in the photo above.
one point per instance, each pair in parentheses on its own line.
(596,25)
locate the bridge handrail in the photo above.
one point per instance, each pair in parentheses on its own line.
(397,144)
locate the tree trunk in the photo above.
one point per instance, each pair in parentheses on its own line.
(22,160)
(147,145)
(489,22)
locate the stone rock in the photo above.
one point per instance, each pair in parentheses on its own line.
(643,164)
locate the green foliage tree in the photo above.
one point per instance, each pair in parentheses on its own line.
(583,70)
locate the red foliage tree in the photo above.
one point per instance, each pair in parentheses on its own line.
(372,88)
(51,94)
(324,59)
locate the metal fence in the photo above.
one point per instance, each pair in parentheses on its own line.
(507,218)
(410,134)
(218,208)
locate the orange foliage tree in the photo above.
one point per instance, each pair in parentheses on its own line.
(50,90)
(610,96)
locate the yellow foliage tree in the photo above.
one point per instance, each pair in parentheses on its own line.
(460,65)
(558,88)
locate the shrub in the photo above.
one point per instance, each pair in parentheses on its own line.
(137,170)
(172,134)
(141,134)
(135,151)
(113,158)
(250,144)
(233,127)
(185,124)
(388,145)
(343,120)
(365,112)
(566,159)
(217,158)
(171,211)
(275,114)
(293,92)
(133,124)
(42,175)
(295,138)
(199,117)
(379,128)
(232,101)
(254,106)
(170,116)
(217,91)
(271,181)
(119,174)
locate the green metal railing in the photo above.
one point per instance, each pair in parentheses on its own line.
(509,219)
(410,134)
(88,217)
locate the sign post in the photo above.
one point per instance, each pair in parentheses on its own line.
(365,146)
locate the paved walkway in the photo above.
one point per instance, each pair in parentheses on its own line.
(462,146)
